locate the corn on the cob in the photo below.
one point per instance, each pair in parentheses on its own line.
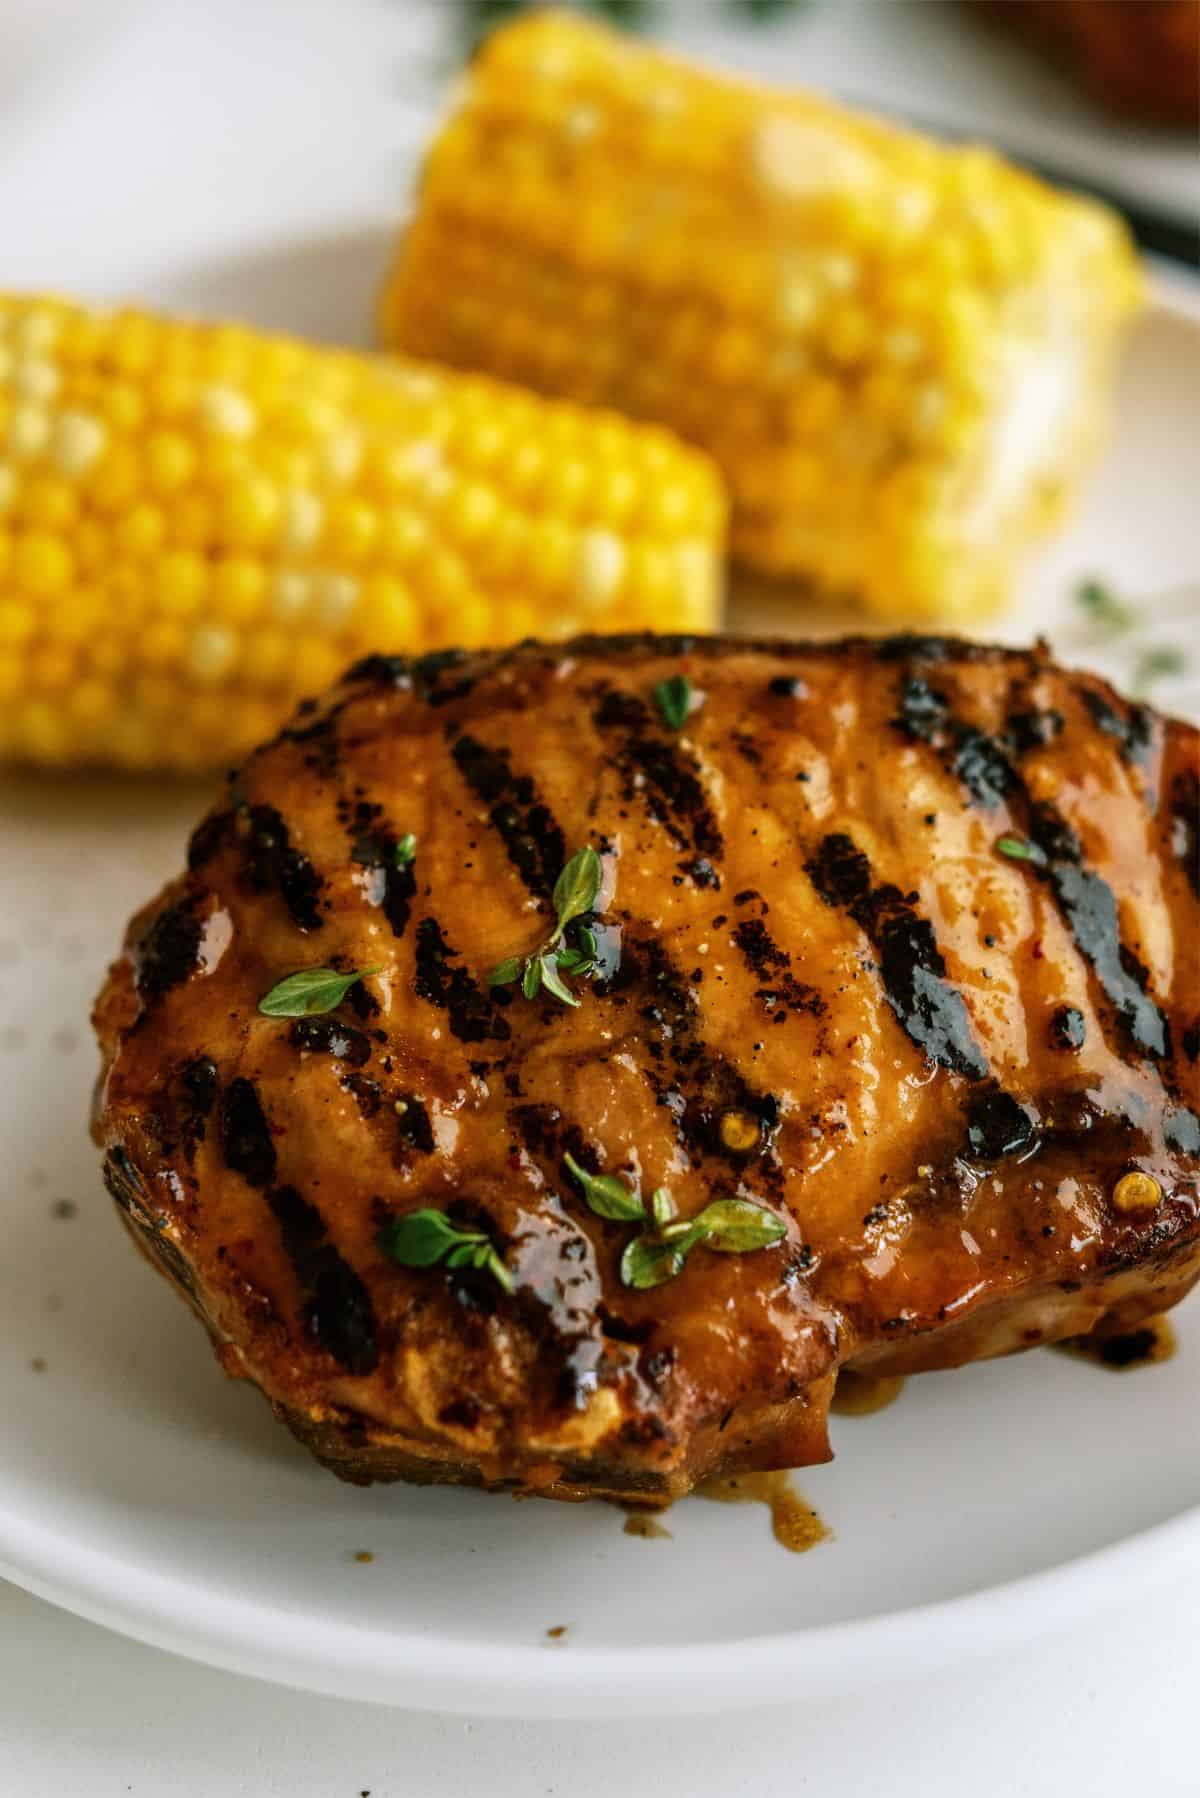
(199,525)
(896,351)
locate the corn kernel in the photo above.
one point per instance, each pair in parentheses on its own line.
(50,503)
(141,531)
(238,589)
(352,529)
(336,597)
(89,702)
(53,668)
(303,519)
(28,432)
(291,593)
(225,410)
(115,478)
(314,664)
(193,521)
(16,623)
(210,524)
(93,545)
(124,408)
(210,651)
(171,462)
(163,644)
(41,564)
(387,613)
(250,512)
(180,582)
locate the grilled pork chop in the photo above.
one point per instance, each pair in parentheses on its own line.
(889,954)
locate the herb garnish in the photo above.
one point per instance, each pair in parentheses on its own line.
(405,850)
(673,697)
(658,1253)
(427,1237)
(310,992)
(1102,604)
(1153,664)
(1018,850)
(571,947)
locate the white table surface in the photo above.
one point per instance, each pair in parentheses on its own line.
(251,156)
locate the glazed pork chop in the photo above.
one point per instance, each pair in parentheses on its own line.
(556,1064)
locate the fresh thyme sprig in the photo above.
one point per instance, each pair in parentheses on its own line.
(571,947)
(673,697)
(479,17)
(659,1251)
(426,1238)
(1104,606)
(1018,850)
(1155,665)
(310,992)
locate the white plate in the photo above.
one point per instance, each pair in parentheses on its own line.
(140,1489)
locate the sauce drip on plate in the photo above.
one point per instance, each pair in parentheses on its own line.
(645,1523)
(794,1522)
(860,1394)
(1150,1342)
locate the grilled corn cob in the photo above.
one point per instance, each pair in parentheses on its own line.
(199,525)
(897,352)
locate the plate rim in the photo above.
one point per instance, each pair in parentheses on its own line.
(414,1671)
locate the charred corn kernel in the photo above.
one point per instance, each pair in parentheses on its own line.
(768,273)
(199,525)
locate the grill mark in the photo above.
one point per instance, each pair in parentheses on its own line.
(1133,731)
(414,1127)
(389,886)
(693,1082)
(246,1141)
(471,1014)
(618,710)
(272,864)
(326,1036)
(931,1012)
(337,1311)
(1185,825)
(198,1083)
(1085,900)
(1032,729)
(978,760)
(427,672)
(667,778)
(422,676)
(170,949)
(378,670)
(535,844)
(125,1188)
(1089,907)
(318,737)
(997,1124)
(773,966)
(366,1093)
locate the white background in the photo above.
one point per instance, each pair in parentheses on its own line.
(252,155)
